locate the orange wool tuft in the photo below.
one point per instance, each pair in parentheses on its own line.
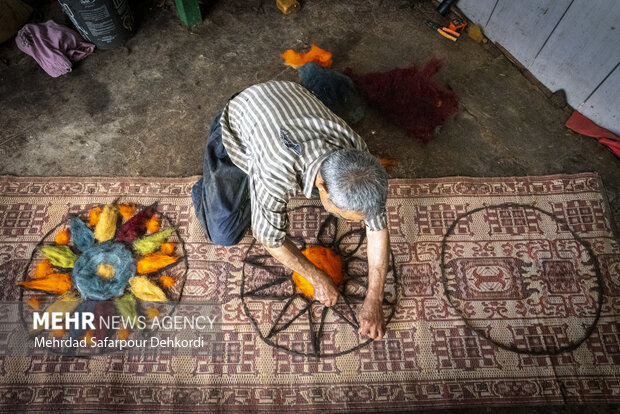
(167,248)
(324,259)
(123,334)
(126,210)
(63,237)
(43,269)
(152,226)
(387,162)
(167,281)
(54,283)
(152,313)
(316,54)
(153,262)
(93,216)
(58,333)
(90,338)
(35,303)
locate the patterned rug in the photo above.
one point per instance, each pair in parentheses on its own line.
(501,291)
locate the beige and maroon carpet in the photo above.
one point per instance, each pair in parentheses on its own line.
(502,291)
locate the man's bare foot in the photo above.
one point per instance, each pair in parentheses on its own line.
(325,291)
(371,319)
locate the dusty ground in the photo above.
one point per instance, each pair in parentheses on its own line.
(144,109)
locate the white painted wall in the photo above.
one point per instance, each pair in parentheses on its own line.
(567,44)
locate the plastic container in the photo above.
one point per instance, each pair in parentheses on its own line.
(106,23)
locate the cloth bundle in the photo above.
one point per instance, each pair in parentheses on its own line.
(584,126)
(54,47)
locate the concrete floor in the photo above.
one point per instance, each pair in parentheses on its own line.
(144,110)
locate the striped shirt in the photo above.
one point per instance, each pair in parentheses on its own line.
(279,134)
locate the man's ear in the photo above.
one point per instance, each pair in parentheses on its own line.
(322,185)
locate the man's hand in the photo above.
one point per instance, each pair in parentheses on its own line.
(289,255)
(371,319)
(371,315)
(325,291)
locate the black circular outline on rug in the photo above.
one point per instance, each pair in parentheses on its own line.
(315,339)
(594,261)
(70,351)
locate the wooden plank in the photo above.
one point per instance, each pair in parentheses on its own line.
(603,106)
(582,50)
(478,11)
(523,27)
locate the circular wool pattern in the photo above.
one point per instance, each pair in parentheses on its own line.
(537,292)
(90,284)
(283,312)
(105,276)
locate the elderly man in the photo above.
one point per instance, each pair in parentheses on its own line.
(272,140)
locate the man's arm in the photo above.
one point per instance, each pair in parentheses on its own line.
(289,255)
(371,315)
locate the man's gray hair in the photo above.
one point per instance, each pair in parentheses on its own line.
(356,181)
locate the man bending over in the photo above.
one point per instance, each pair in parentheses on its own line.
(272,140)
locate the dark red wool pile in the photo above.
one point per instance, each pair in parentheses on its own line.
(135,227)
(104,310)
(409,97)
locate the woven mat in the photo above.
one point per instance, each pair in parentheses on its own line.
(502,291)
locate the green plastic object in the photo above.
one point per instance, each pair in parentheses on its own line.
(189,12)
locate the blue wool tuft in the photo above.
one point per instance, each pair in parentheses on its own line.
(90,284)
(336,90)
(77,332)
(81,236)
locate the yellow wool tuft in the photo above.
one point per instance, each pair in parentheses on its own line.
(146,290)
(106,227)
(126,210)
(106,271)
(63,237)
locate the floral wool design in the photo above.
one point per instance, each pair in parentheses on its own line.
(282,310)
(113,261)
